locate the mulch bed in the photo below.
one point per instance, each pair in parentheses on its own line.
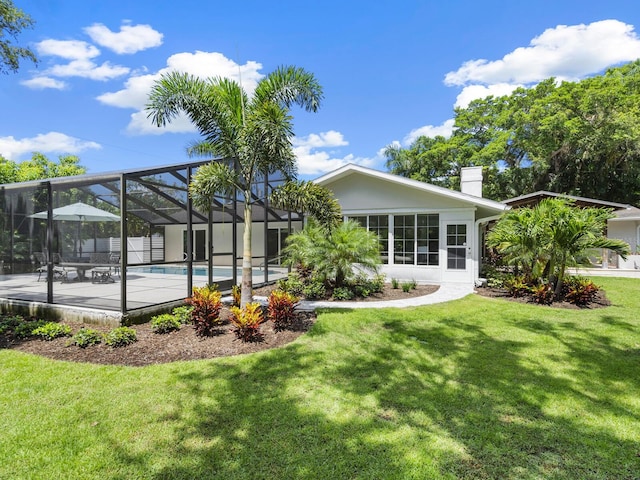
(184,344)
(600,300)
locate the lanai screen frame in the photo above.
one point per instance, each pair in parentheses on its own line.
(179,211)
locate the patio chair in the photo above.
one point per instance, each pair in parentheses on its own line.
(101,273)
(59,273)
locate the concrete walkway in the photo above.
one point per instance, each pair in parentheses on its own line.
(446,293)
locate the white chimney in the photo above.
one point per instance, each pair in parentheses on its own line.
(471,181)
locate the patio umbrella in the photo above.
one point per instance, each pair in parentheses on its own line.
(79,212)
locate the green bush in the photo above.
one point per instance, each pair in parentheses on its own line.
(314,290)
(395,283)
(406,287)
(25,328)
(413,284)
(293,284)
(120,337)
(183,314)
(9,322)
(52,330)
(86,337)
(165,323)
(343,293)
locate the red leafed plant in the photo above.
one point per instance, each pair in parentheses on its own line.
(281,309)
(207,303)
(247,322)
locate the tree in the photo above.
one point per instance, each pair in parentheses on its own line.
(547,239)
(252,133)
(311,198)
(39,167)
(579,138)
(333,257)
(12,21)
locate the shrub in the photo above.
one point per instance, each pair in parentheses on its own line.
(406,287)
(247,322)
(516,286)
(361,291)
(236,295)
(52,330)
(413,284)
(120,337)
(314,290)
(293,284)
(395,283)
(183,314)
(281,309)
(25,328)
(207,303)
(542,294)
(373,285)
(580,291)
(10,322)
(342,293)
(165,323)
(85,337)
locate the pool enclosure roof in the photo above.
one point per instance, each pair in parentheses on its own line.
(159,195)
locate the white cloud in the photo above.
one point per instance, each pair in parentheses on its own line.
(88,69)
(40,83)
(566,52)
(313,162)
(431,131)
(69,49)
(56,142)
(130,38)
(473,92)
(201,64)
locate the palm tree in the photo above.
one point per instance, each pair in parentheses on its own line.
(548,238)
(334,256)
(253,133)
(310,198)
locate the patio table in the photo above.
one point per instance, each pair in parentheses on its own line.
(82,268)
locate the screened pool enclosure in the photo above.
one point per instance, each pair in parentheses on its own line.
(127,241)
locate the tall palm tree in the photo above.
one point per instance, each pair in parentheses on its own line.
(253,131)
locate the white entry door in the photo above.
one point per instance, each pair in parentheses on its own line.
(457,240)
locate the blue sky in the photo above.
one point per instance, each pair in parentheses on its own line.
(390,70)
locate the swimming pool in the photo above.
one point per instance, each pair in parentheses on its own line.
(226,272)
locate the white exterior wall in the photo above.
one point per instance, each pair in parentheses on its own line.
(222,240)
(627,231)
(360,195)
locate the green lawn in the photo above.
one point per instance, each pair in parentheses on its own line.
(477,388)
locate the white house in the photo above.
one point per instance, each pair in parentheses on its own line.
(427,233)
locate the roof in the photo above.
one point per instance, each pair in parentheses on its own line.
(534,198)
(630,213)
(350,169)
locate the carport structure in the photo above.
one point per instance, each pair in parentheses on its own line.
(171,246)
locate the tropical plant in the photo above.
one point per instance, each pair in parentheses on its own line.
(308,197)
(253,134)
(247,321)
(281,309)
(207,303)
(183,314)
(545,240)
(336,257)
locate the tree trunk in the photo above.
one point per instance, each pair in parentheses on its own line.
(246,290)
(560,279)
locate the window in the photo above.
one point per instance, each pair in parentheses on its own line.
(404,239)
(378,224)
(428,235)
(457,247)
